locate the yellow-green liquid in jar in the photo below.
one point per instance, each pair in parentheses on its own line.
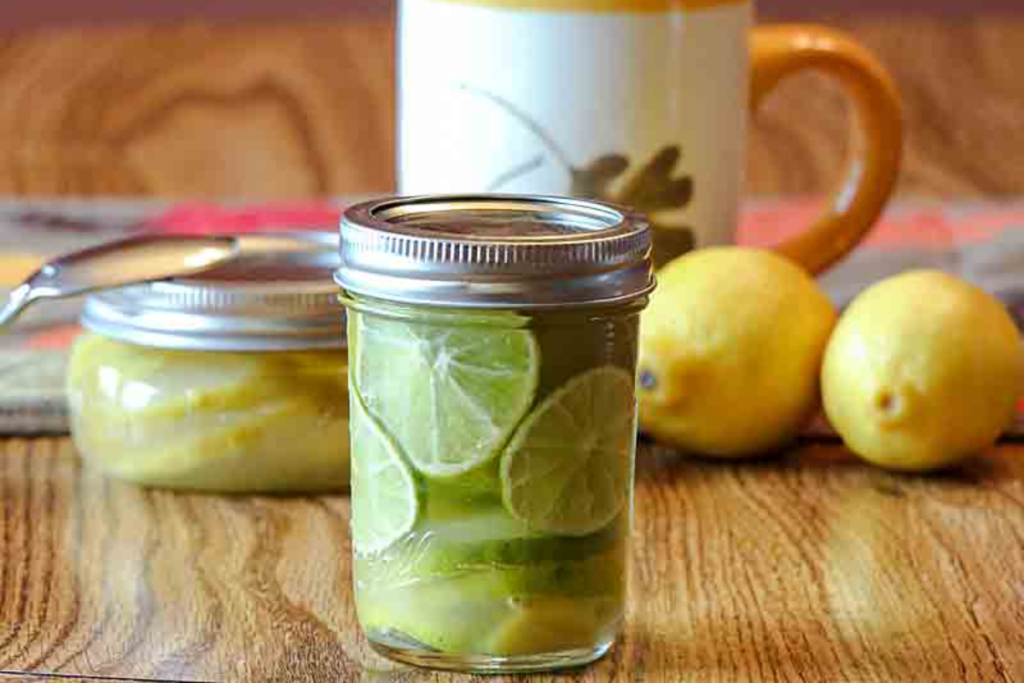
(492,477)
(267,421)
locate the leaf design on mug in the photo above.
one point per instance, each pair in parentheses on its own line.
(595,179)
(670,242)
(653,187)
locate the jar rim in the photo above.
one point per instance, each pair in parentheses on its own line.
(495,251)
(276,294)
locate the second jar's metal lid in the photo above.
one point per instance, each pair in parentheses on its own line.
(276,294)
(495,251)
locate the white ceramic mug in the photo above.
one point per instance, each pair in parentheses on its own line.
(642,102)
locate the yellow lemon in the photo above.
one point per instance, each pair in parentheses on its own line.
(730,351)
(923,370)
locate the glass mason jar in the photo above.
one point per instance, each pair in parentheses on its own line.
(493,346)
(234,380)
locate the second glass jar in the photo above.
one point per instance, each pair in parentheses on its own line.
(234,380)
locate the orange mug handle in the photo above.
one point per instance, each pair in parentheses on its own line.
(778,51)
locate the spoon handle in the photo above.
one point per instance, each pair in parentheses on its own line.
(18,301)
(45,283)
(131,261)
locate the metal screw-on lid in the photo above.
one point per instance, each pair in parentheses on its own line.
(495,251)
(276,294)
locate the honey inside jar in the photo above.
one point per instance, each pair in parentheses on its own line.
(234,381)
(213,421)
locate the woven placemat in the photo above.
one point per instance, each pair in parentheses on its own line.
(32,392)
(982,242)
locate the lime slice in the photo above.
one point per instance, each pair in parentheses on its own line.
(525,567)
(567,469)
(417,591)
(385,503)
(486,541)
(480,613)
(465,496)
(545,625)
(450,396)
(451,615)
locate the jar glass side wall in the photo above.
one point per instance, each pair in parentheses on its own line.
(211,421)
(492,482)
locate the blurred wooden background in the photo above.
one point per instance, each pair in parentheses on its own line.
(296,107)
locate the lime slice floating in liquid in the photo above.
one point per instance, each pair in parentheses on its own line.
(566,470)
(450,396)
(554,624)
(385,503)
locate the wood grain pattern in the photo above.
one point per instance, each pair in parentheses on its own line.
(261,111)
(812,567)
(304,109)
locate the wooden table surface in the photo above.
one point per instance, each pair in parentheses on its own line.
(808,567)
(290,110)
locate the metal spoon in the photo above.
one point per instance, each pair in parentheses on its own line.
(130,261)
